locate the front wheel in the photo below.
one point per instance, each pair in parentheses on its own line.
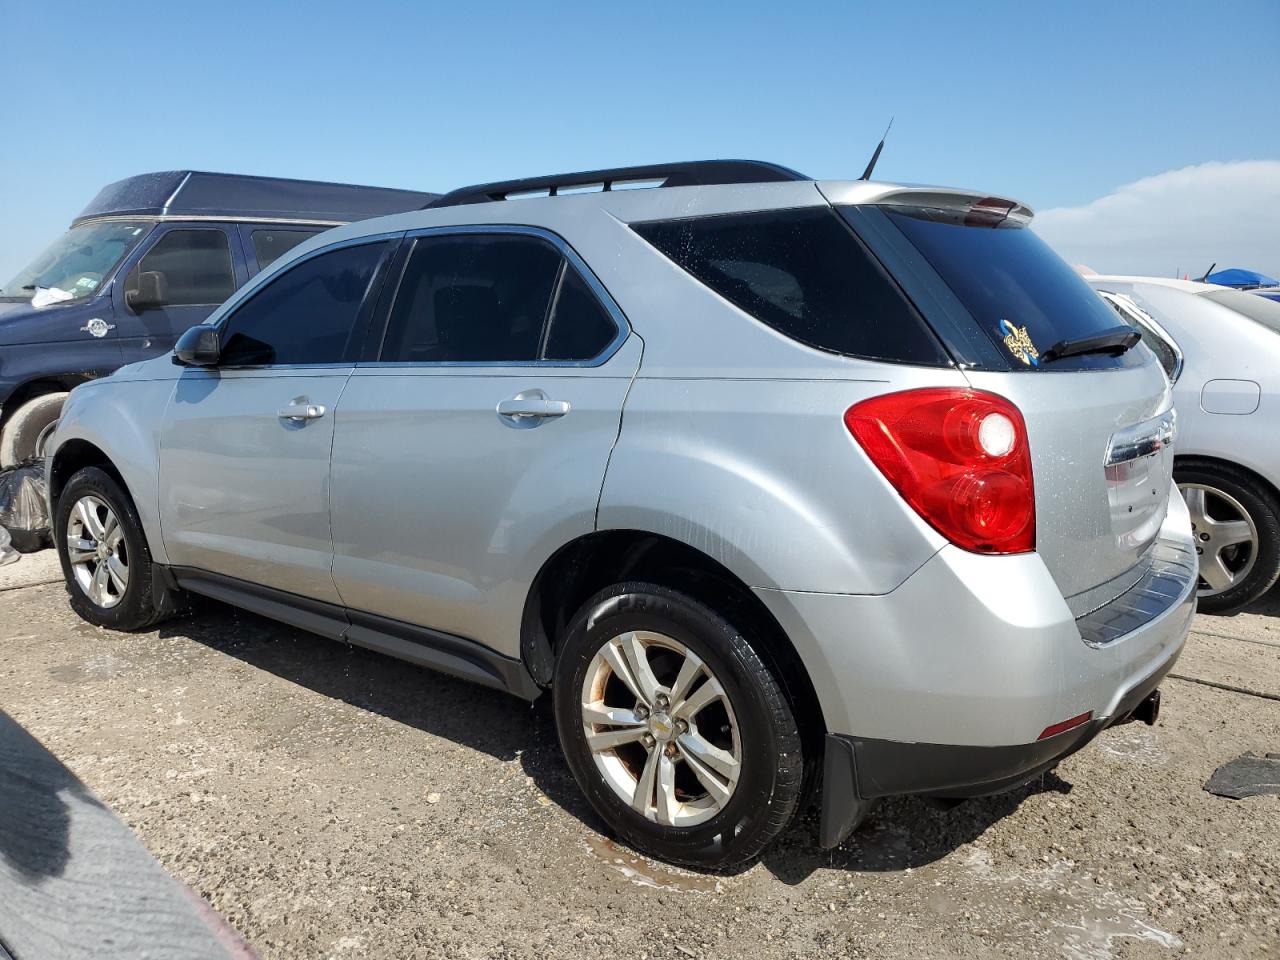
(674,728)
(104,554)
(1236,524)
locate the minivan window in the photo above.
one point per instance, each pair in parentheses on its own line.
(1021,294)
(805,274)
(306,314)
(472,299)
(196,265)
(270,245)
(78,261)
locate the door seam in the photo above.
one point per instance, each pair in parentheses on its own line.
(622,411)
(328,498)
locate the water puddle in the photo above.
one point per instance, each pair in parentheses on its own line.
(647,873)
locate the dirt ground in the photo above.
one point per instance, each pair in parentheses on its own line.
(331,802)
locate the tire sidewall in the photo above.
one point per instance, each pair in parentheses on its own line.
(25,425)
(646,607)
(1264,513)
(135,606)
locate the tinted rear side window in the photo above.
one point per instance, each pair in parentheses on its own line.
(1016,288)
(271,245)
(306,314)
(579,327)
(805,274)
(472,299)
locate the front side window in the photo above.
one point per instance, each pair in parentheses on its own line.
(307,314)
(270,245)
(803,273)
(77,262)
(196,265)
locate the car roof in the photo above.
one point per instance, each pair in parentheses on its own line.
(197,194)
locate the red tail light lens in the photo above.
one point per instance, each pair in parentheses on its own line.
(960,458)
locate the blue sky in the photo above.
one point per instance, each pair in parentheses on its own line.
(1055,107)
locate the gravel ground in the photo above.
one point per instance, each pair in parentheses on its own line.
(331,802)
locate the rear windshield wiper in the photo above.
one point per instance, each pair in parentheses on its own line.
(1113,342)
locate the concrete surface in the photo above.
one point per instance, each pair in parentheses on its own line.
(331,802)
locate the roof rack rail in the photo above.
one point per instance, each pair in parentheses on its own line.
(690,173)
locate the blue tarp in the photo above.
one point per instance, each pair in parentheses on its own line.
(1235,277)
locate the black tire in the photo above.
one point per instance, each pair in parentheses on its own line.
(136,609)
(1260,503)
(18,438)
(769,787)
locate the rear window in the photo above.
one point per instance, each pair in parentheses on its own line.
(803,273)
(1023,295)
(1256,308)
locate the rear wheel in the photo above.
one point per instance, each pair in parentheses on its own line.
(27,428)
(675,729)
(1236,524)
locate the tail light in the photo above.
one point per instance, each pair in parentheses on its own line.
(960,458)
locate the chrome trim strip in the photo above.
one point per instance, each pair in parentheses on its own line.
(1141,439)
(205,217)
(176,190)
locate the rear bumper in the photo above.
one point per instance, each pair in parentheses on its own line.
(943,687)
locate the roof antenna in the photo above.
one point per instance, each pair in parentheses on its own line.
(1205,278)
(866,174)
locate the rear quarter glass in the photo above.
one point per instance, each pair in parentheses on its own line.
(1018,292)
(804,273)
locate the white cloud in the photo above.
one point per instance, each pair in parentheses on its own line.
(1181,220)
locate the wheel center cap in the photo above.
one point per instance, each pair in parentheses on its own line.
(102,551)
(661,726)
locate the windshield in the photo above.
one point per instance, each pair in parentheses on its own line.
(77,262)
(1259,309)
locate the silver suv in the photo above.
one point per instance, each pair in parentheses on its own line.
(759,477)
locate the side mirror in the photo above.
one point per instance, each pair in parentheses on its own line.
(198,347)
(151,290)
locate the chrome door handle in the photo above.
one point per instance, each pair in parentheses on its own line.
(531,407)
(300,410)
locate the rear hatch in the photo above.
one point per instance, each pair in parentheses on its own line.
(1098,410)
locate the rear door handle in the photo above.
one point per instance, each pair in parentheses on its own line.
(529,408)
(300,409)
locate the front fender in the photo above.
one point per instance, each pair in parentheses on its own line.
(122,419)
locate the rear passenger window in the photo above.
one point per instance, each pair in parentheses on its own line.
(196,265)
(580,327)
(305,315)
(270,245)
(472,299)
(806,275)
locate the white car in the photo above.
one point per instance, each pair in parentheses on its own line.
(1221,347)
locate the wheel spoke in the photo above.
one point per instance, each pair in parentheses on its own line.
(89,517)
(665,788)
(613,655)
(705,694)
(1215,572)
(612,739)
(79,550)
(721,761)
(1194,496)
(642,799)
(110,527)
(1230,532)
(719,792)
(609,716)
(98,586)
(638,661)
(690,670)
(118,572)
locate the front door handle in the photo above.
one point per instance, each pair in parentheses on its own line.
(300,409)
(530,408)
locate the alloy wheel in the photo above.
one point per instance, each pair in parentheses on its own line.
(1225,535)
(97,551)
(661,729)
